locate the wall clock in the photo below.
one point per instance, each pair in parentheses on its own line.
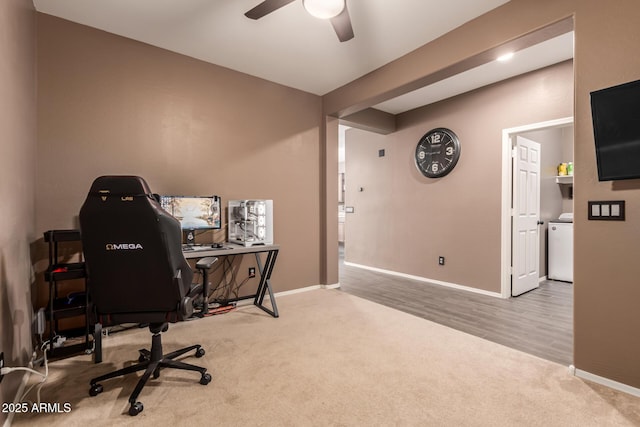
(437,152)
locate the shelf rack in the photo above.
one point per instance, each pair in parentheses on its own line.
(72,305)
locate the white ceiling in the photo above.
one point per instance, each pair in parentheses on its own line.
(547,53)
(294,49)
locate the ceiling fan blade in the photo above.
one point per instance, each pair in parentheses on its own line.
(266,7)
(342,25)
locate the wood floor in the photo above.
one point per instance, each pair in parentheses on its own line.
(539,322)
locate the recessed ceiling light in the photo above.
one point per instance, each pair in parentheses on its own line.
(324,9)
(505,57)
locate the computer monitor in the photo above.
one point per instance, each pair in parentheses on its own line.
(194,212)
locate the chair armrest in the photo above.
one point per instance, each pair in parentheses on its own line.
(206,262)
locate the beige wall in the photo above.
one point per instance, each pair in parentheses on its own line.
(404,221)
(17,180)
(110,105)
(606,317)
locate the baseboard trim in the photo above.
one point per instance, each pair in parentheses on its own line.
(298,290)
(249,302)
(426,280)
(605,381)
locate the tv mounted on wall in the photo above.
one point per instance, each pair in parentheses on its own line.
(616,128)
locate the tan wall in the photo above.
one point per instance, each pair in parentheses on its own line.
(110,105)
(17,181)
(606,317)
(404,221)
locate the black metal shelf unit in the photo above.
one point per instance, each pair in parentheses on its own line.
(70,305)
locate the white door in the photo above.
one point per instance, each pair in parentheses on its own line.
(526,215)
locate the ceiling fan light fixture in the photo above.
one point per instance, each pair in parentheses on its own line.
(324,9)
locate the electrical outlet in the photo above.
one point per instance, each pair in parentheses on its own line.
(1,364)
(441,260)
(252,272)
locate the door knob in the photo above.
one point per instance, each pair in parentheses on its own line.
(540,222)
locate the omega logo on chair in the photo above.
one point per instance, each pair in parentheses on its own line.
(122,246)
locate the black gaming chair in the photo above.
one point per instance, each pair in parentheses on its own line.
(136,272)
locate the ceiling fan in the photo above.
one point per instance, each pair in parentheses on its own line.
(334,10)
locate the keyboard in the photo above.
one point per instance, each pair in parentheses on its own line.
(196,248)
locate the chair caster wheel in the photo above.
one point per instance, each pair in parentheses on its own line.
(200,352)
(206,379)
(145,355)
(95,390)
(135,409)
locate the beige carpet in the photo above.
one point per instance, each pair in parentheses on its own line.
(333,359)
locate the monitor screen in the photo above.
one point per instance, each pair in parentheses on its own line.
(616,127)
(194,212)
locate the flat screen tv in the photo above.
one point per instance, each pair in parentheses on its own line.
(616,127)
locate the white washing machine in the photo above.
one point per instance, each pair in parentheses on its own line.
(561,248)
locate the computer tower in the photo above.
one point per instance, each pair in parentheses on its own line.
(251,222)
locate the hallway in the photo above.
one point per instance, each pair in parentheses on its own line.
(539,322)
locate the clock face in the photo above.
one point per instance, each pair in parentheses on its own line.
(437,152)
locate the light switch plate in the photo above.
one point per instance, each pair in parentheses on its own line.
(606,210)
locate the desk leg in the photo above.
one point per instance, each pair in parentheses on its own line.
(265,282)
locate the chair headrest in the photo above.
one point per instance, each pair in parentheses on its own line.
(120,185)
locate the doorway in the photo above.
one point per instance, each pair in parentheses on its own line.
(556,138)
(341,185)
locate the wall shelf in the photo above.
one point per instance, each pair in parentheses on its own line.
(565,179)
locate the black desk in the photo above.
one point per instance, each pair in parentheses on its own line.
(264,271)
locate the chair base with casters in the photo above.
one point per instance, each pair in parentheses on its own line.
(152,362)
